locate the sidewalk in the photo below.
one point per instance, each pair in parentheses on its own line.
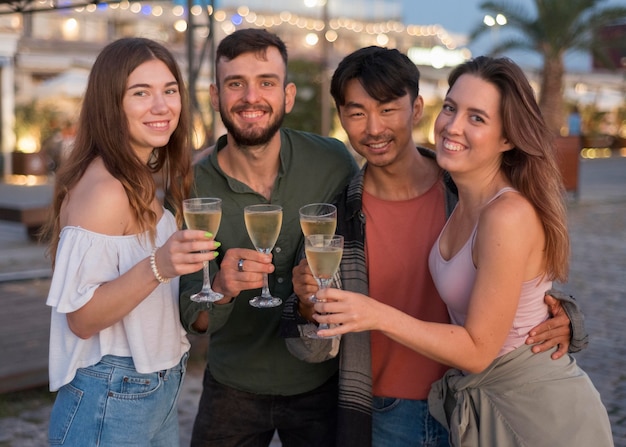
(598,234)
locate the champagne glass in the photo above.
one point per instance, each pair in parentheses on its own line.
(263,223)
(318,218)
(323,253)
(204,213)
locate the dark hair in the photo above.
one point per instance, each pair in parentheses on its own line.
(249,40)
(531,165)
(385,74)
(103,132)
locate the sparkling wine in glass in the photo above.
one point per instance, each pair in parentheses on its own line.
(204,213)
(318,218)
(323,254)
(263,223)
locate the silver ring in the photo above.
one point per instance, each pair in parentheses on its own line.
(240,265)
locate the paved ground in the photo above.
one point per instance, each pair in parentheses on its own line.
(597,280)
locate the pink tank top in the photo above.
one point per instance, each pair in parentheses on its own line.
(454,279)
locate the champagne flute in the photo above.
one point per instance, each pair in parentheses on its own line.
(204,213)
(318,218)
(323,253)
(263,223)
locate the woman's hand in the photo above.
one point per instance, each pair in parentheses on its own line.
(184,252)
(347,311)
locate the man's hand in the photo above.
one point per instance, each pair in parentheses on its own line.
(552,332)
(304,286)
(235,276)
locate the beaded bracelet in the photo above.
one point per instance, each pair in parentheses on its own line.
(154,268)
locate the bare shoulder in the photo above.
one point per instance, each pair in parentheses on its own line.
(98,203)
(511,213)
(510,238)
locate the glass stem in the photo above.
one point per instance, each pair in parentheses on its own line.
(206,279)
(323,284)
(265,293)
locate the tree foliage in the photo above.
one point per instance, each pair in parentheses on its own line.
(551,29)
(306,113)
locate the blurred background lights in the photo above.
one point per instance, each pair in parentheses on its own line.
(220,16)
(382,39)
(331,35)
(70,29)
(499,19)
(311,39)
(314,3)
(180,26)
(236,19)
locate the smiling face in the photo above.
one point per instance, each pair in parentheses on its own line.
(252,97)
(152,105)
(469,130)
(380,132)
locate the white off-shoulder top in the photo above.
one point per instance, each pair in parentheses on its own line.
(151,333)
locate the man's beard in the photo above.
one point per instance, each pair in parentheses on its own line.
(253,136)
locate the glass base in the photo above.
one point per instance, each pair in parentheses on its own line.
(206,297)
(263,302)
(314,299)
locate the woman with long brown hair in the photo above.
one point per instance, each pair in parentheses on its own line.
(117,348)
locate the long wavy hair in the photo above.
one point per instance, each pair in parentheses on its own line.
(531,165)
(103,132)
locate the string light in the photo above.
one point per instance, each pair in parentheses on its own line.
(382,30)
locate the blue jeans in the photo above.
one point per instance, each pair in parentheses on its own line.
(405,422)
(228,417)
(110,404)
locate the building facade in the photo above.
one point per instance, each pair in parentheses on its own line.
(45,55)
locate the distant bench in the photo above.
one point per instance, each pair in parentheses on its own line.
(32,218)
(28,205)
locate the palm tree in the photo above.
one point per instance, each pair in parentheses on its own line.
(554,28)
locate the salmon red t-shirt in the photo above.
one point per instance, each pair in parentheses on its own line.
(399,236)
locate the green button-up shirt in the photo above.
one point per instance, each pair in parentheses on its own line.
(246,351)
